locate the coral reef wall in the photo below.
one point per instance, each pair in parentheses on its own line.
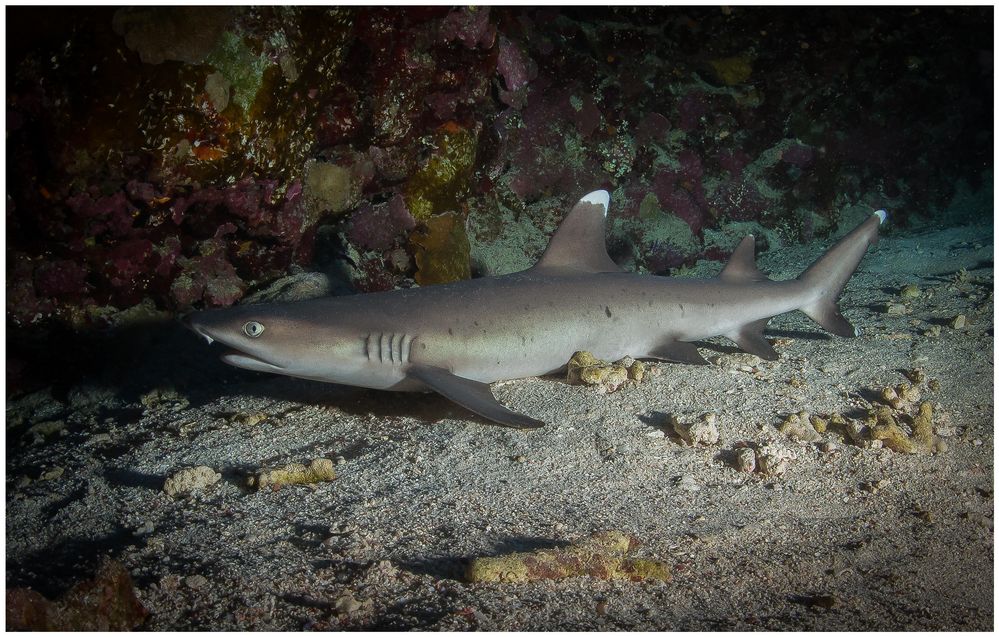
(163,159)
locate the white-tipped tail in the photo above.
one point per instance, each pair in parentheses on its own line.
(600,198)
(882,215)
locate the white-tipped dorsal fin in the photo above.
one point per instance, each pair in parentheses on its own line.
(579,243)
(741,266)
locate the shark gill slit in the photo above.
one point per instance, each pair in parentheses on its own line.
(388,347)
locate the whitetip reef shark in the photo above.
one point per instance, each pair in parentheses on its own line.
(459,337)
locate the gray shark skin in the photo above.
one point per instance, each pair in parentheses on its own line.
(457,338)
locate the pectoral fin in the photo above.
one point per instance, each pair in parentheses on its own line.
(473,395)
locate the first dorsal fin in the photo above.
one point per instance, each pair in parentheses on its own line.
(741,266)
(579,244)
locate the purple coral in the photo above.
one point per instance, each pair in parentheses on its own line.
(652,128)
(799,155)
(379,227)
(587,116)
(210,278)
(532,146)
(516,69)
(112,214)
(62,278)
(733,160)
(661,256)
(681,191)
(470,25)
(739,199)
(125,267)
(690,111)
(512,65)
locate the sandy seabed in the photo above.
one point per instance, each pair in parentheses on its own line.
(851,536)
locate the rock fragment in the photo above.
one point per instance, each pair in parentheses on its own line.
(700,432)
(910,291)
(106,603)
(745,460)
(191,479)
(585,369)
(773,459)
(901,396)
(799,427)
(347,604)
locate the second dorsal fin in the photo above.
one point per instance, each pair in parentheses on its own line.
(579,243)
(741,266)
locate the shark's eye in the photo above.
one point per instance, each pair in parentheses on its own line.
(253,329)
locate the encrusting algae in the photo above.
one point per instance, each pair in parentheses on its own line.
(900,421)
(603,555)
(317,471)
(885,427)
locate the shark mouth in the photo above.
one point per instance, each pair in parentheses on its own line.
(241,359)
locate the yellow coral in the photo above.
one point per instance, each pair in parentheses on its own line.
(440,184)
(442,250)
(731,71)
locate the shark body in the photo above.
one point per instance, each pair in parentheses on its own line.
(457,338)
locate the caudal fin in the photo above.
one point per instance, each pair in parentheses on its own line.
(829,274)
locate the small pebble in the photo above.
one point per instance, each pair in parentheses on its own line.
(774,459)
(828,447)
(100,437)
(190,479)
(346,604)
(745,460)
(800,428)
(687,483)
(959,322)
(196,581)
(701,432)
(910,291)
(52,474)
(932,331)
(896,309)
(873,487)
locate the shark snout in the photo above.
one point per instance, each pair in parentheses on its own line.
(190,321)
(240,347)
